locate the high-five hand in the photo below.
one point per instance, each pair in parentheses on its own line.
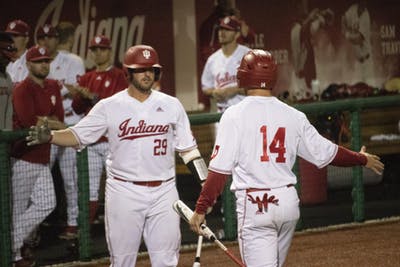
(39,134)
(373,161)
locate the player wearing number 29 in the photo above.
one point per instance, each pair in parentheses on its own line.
(257,142)
(144,129)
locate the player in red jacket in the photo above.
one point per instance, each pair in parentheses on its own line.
(34,99)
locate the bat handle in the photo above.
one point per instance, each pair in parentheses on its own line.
(199,244)
(198,251)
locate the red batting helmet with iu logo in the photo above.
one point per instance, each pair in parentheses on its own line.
(257,69)
(142,56)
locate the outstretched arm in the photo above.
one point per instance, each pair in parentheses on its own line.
(43,134)
(348,158)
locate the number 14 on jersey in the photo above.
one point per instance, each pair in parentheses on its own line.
(277,144)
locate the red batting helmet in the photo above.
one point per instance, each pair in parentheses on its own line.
(142,56)
(257,70)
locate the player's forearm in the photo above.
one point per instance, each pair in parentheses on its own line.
(208,91)
(64,138)
(348,158)
(211,190)
(232,91)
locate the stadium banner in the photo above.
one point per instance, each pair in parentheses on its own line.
(126,22)
(318,43)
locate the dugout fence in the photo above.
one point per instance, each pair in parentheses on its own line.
(367,116)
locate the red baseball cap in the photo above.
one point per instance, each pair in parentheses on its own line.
(47,30)
(230,23)
(100,41)
(37,53)
(18,27)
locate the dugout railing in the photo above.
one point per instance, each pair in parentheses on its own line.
(353,106)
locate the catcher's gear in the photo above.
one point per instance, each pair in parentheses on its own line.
(39,134)
(257,70)
(141,57)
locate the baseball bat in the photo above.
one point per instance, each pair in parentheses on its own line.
(198,251)
(186,213)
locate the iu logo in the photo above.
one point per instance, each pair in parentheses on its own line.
(42,51)
(263,85)
(46,28)
(146,54)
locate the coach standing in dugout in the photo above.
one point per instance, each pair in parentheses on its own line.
(33,193)
(102,82)
(144,128)
(257,142)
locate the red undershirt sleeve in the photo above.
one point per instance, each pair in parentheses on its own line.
(348,158)
(212,188)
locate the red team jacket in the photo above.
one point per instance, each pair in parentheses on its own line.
(30,101)
(102,83)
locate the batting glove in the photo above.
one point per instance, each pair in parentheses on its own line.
(39,134)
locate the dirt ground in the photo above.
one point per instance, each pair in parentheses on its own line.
(373,244)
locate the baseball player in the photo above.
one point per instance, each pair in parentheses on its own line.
(65,67)
(144,128)
(32,185)
(7,51)
(100,83)
(19,31)
(218,79)
(257,142)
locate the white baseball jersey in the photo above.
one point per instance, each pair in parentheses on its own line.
(18,69)
(66,67)
(258,140)
(220,72)
(143,136)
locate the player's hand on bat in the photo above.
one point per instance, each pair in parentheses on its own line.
(373,162)
(195,222)
(39,134)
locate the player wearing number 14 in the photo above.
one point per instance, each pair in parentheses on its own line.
(257,142)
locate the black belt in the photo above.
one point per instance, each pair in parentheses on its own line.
(145,183)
